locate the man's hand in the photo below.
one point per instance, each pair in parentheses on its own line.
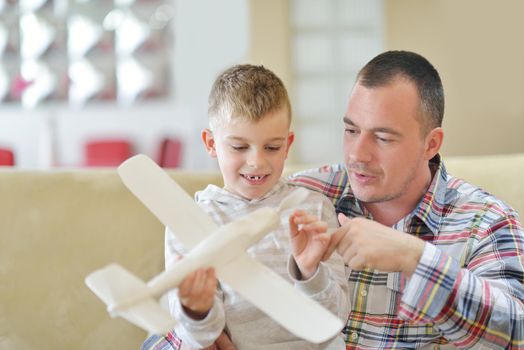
(367,244)
(309,241)
(197,292)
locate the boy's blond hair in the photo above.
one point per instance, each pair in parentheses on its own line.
(246,92)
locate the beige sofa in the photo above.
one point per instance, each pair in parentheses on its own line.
(56,227)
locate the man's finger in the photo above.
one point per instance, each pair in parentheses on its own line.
(357,262)
(342,219)
(347,250)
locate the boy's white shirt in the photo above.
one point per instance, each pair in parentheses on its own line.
(249,327)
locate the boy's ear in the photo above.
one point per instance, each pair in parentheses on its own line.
(290,139)
(209,142)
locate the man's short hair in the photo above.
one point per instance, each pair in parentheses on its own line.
(391,65)
(247,92)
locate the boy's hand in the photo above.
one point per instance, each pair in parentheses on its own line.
(197,292)
(309,241)
(223,342)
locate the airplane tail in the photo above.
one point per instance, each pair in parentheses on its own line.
(127,296)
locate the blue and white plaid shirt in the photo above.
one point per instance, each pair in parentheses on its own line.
(467,291)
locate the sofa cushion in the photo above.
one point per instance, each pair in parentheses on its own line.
(55,228)
(58,226)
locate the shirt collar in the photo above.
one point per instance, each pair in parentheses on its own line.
(430,208)
(348,203)
(220,194)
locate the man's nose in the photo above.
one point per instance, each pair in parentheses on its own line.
(360,149)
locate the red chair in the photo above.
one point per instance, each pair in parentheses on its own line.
(170,153)
(6,157)
(107,153)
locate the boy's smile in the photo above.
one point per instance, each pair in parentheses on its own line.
(251,154)
(255,179)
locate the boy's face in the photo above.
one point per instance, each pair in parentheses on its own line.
(251,155)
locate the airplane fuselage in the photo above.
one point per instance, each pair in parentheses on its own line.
(222,246)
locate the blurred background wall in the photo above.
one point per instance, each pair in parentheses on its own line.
(316,47)
(478,49)
(476,45)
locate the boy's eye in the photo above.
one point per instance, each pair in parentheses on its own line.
(239,148)
(273,148)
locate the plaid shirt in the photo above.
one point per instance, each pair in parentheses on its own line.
(467,290)
(162,342)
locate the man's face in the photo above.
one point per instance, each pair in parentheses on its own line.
(385,153)
(251,155)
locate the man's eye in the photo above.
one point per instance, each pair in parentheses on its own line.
(383,139)
(350,131)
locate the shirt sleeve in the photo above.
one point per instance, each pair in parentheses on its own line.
(480,304)
(328,285)
(195,333)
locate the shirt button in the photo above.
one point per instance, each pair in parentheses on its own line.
(354,335)
(363,292)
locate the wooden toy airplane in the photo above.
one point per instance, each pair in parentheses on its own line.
(223,248)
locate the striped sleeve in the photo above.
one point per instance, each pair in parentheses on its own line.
(478,305)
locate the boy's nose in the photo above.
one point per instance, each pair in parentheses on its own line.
(255,159)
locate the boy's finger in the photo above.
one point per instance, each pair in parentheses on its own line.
(224,343)
(323,238)
(293,227)
(210,287)
(336,237)
(211,282)
(305,219)
(299,212)
(315,227)
(185,287)
(200,281)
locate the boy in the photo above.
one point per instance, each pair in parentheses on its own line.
(249,117)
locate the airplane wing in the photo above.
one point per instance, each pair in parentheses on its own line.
(166,200)
(291,308)
(254,281)
(114,284)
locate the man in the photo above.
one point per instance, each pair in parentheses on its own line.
(433,262)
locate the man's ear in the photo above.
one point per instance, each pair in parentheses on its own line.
(434,141)
(290,139)
(209,142)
